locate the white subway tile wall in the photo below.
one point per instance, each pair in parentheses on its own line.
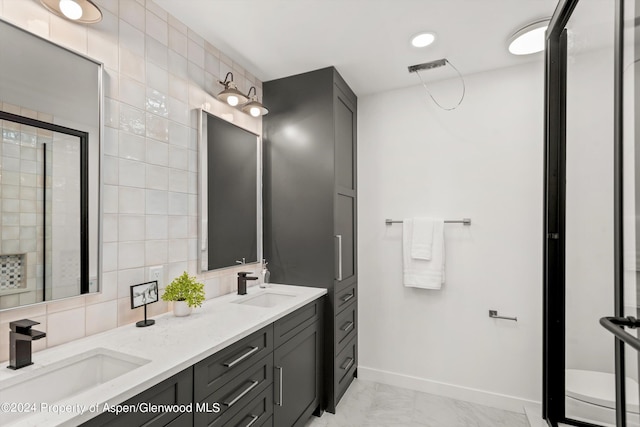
(157,72)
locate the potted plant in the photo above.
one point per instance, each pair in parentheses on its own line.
(186,293)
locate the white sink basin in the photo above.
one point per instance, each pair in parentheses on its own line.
(64,379)
(265,299)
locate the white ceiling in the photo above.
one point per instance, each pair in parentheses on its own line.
(366,40)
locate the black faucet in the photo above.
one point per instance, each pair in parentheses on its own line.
(20,339)
(242,282)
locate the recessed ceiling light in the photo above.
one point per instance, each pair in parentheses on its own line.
(529,39)
(422,39)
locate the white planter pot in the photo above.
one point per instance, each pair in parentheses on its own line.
(181,309)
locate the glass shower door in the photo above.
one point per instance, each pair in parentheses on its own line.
(592,233)
(589,212)
(629,76)
(623,325)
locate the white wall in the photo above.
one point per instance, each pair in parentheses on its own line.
(589,208)
(483,161)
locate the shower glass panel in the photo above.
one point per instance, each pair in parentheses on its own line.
(630,78)
(42,189)
(589,214)
(61,241)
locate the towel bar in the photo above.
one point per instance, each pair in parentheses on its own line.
(494,314)
(465,221)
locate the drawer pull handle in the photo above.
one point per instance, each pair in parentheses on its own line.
(347,327)
(280,370)
(254,418)
(348,364)
(339,273)
(253,385)
(241,358)
(347,298)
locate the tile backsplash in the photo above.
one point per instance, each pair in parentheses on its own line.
(157,72)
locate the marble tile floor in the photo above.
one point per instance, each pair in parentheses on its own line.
(370,404)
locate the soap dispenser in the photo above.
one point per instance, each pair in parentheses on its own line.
(265,274)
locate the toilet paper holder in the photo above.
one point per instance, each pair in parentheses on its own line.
(494,314)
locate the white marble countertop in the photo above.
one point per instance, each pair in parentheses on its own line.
(171,345)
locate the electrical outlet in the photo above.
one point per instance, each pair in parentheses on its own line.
(93,284)
(155,273)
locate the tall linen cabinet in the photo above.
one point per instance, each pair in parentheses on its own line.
(309,203)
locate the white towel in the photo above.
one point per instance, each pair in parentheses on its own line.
(420,273)
(422,238)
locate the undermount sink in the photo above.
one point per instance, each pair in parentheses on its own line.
(64,379)
(265,299)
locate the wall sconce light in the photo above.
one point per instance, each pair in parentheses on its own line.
(247,103)
(82,11)
(231,95)
(253,107)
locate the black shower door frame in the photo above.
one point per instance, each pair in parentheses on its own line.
(553,399)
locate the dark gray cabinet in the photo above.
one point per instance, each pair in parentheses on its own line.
(310,202)
(238,378)
(215,371)
(297,363)
(177,390)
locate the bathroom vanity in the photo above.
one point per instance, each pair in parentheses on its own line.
(239,360)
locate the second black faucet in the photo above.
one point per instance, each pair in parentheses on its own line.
(242,281)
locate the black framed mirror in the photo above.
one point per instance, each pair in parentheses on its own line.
(50,150)
(230,194)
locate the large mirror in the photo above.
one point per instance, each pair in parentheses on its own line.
(230,194)
(50,115)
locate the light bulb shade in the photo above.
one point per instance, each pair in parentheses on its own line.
(70,9)
(82,11)
(529,39)
(254,108)
(231,95)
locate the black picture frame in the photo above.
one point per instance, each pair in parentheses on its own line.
(142,295)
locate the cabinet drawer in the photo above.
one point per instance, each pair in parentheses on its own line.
(345,297)
(255,414)
(268,422)
(237,393)
(295,322)
(345,366)
(345,326)
(184,420)
(216,370)
(177,390)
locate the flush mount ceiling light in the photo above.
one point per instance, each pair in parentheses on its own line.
(83,11)
(231,95)
(253,107)
(529,39)
(423,39)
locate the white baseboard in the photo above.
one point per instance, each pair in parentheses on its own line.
(482,397)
